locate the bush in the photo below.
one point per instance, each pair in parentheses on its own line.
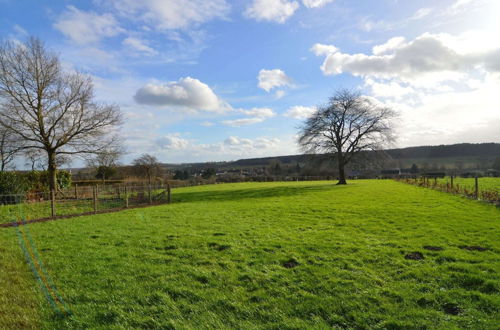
(11,183)
(18,183)
(39,180)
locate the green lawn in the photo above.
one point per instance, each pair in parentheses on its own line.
(266,255)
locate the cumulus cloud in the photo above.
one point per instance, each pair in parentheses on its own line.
(139,45)
(242,121)
(242,144)
(172,14)
(269,79)
(260,112)
(427,54)
(271,10)
(187,92)
(86,27)
(256,115)
(172,142)
(300,112)
(315,3)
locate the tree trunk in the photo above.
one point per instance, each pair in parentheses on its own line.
(52,169)
(341,169)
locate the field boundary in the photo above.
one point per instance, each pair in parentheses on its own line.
(69,216)
(485,195)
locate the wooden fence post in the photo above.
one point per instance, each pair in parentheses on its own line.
(95,198)
(52,203)
(126,197)
(168,193)
(476,188)
(76,191)
(149,195)
(451,183)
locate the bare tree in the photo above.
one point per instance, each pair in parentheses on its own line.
(348,124)
(148,166)
(105,162)
(10,147)
(49,109)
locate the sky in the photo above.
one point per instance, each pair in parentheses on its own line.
(215,80)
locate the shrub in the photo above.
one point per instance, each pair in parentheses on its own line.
(11,183)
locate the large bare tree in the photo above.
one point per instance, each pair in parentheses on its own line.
(348,124)
(49,109)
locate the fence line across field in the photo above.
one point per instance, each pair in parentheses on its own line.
(451,186)
(83,200)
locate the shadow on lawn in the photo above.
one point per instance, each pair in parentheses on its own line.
(238,194)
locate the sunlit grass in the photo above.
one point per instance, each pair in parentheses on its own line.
(274,255)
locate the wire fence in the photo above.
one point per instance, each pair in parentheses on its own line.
(475,188)
(79,200)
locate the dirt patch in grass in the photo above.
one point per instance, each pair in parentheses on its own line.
(414,256)
(218,247)
(291,263)
(473,248)
(452,309)
(433,248)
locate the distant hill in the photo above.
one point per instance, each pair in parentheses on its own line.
(463,155)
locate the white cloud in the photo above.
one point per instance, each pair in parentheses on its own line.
(428,54)
(260,112)
(271,10)
(452,116)
(388,89)
(86,27)
(187,92)
(244,145)
(279,94)
(207,124)
(315,3)
(172,142)
(323,50)
(172,14)
(421,13)
(391,45)
(242,121)
(300,112)
(269,79)
(139,45)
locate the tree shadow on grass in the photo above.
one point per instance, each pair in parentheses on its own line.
(250,193)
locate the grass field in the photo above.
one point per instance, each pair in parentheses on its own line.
(267,255)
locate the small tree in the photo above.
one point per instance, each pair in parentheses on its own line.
(51,110)
(105,163)
(414,169)
(208,173)
(348,124)
(147,166)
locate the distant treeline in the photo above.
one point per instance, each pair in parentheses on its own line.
(487,150)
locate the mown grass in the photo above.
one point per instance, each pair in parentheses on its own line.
(267,255)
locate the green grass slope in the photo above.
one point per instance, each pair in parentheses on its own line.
(266,255)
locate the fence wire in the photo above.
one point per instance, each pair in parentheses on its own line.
(80,200)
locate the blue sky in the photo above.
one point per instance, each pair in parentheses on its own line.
(220,80)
